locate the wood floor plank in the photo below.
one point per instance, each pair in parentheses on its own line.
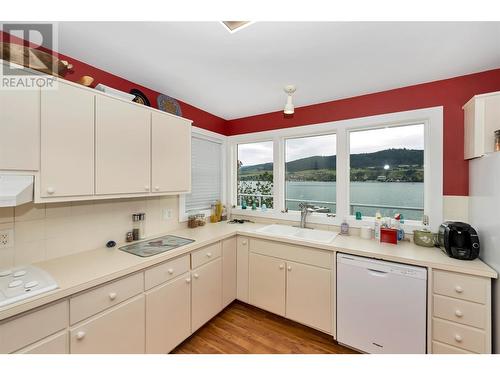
(245,329)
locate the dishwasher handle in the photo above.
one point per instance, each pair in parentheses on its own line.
(377,272)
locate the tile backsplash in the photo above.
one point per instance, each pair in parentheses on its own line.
(46,231)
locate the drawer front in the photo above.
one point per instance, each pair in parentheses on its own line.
(469,288)
(55,344)
(470,313)
(166,271)
(459,335)
(103,297)
(206,254)
(294,253)
(440,348)
(27,329)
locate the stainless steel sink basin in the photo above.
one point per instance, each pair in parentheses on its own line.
(303,234)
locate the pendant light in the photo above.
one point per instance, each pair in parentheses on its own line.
(289,108)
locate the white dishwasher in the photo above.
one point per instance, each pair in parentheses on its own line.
(381,306)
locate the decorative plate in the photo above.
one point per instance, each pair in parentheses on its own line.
(140,97)
(168,104)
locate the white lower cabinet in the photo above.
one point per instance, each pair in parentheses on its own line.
(119,330)
(242,268)
(206,293)
(228,271)
(308,295)
(55,344)
(267,283)
(168,315)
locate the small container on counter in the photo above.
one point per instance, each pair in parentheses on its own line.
(192,221)
(389,235)
(129,237)
(344,227)
(497,140)
(200,220)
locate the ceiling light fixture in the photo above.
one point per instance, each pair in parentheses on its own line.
(289,108)
(233,26)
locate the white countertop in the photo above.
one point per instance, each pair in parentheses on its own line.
(75,273)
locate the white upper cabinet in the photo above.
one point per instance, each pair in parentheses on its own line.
(123,152)
(481,119)
(67,142)
(171,154)
(20,129)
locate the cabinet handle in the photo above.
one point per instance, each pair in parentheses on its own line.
(458,338)
(188,281)
(282,266)
(146,187)
(209,255)
(170,271)
(157,188)
(196,276)
(244,242)
(50,190)
(458,314)
(289,268)
(458,289)
(112,296)
(80,335)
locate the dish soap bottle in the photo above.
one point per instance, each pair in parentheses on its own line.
(378,225)
(344,227)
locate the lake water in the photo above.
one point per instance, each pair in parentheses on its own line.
(402,194)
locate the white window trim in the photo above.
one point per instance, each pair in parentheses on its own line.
(217,138)
(432,118)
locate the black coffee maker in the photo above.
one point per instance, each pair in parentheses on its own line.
(458,240)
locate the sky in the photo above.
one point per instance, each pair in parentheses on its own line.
(411,137)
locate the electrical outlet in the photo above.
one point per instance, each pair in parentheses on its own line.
(167,214)
(6,238)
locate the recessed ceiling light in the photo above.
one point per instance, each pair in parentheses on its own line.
(233,26)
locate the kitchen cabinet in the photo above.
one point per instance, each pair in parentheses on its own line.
(308,295)
(55,344)
(20,138)
(481,119)
(67,142)
(168,315)
(228,271)
(118,330)
(170,154)
(123,152)
(242,268)
(206,292)
(267,283)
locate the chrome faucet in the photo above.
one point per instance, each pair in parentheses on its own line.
(305,208)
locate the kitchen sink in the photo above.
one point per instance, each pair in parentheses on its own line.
(304,234)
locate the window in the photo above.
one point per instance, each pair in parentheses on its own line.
(255,173)
(206,174)
(387,171)
(310,172)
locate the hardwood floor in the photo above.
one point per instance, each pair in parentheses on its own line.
(244,329)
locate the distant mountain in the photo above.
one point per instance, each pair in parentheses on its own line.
(392,157)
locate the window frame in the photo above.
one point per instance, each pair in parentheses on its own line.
(210,136)
(432,118)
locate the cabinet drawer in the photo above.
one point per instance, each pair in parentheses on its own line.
(294,253)
(103,297)
(205,254)
(470,313)
(440,348)
(55,344)
(458,335)
(27,329)
(469,288)
(166,271)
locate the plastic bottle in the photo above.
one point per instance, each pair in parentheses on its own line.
(378,224)
(344,227)
(401,233)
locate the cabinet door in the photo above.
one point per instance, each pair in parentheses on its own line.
(206,293)
(119,330)
(267,283)
(228,271)
(168,315)
(20,134)
(171,154)
(309,295)
(67,142)
(122,147)
(55,344)
(242,269)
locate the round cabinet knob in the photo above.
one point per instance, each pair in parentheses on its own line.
(170,271)
(80,335)
(112,296)
(157,188)
(458,289)
(458,314)
(458,338)
(289,268)
(188,281)
(209,255)
(196,276)
(244,242)
(146,187)
(282,266)
(51,190)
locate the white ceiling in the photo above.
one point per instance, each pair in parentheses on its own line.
(242,74)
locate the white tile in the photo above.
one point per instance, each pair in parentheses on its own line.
(6,258)
(6,214)
(29,211)
(29,252)
(28,231)
(53,210)
(59,227)
(59,246)
(456,208)
(82,208)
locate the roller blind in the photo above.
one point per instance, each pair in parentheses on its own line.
(206,183)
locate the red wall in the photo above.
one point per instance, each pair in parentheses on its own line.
(200,118)
(451,93)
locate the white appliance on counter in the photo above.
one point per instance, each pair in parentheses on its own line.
(484,211)
(381,306)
